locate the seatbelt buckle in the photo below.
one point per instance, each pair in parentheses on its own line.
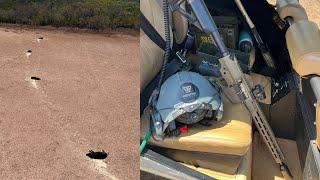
(181,57)
(187,46)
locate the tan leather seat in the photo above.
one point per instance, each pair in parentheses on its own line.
(243,171)
(218,162)
(151,59)
(232,135)
(151,54)
(303,42)
(291,8)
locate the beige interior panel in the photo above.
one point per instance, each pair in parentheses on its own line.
(218,162)
(263,164)
(232,135)
(151,54)
(291,8)
(303,42)
(265,82)
(243,171)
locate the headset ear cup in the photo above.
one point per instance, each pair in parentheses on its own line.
(210,114)
(157,124)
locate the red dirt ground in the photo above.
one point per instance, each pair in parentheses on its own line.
(87,98)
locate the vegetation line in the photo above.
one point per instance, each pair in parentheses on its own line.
(92,14)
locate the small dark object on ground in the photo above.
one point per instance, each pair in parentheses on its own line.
(35,78)
(97,154)
(29,51)
(40,38)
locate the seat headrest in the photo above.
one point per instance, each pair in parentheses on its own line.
(303,42)
(291,8)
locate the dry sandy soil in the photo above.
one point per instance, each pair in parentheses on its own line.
(87,98)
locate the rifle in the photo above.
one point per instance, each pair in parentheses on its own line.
(235,79)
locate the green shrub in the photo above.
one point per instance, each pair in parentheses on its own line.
(93,14)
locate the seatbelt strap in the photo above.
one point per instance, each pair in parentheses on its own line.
(172,67)
(151,32)
(156,38)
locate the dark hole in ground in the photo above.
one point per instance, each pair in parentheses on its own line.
(97,154)
(35,78)
(40,38)
(29,51)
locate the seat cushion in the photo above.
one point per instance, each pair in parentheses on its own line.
(243,172)
(232,135)
(303,42)
(218,162)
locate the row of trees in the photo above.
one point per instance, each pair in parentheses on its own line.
(93,14)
